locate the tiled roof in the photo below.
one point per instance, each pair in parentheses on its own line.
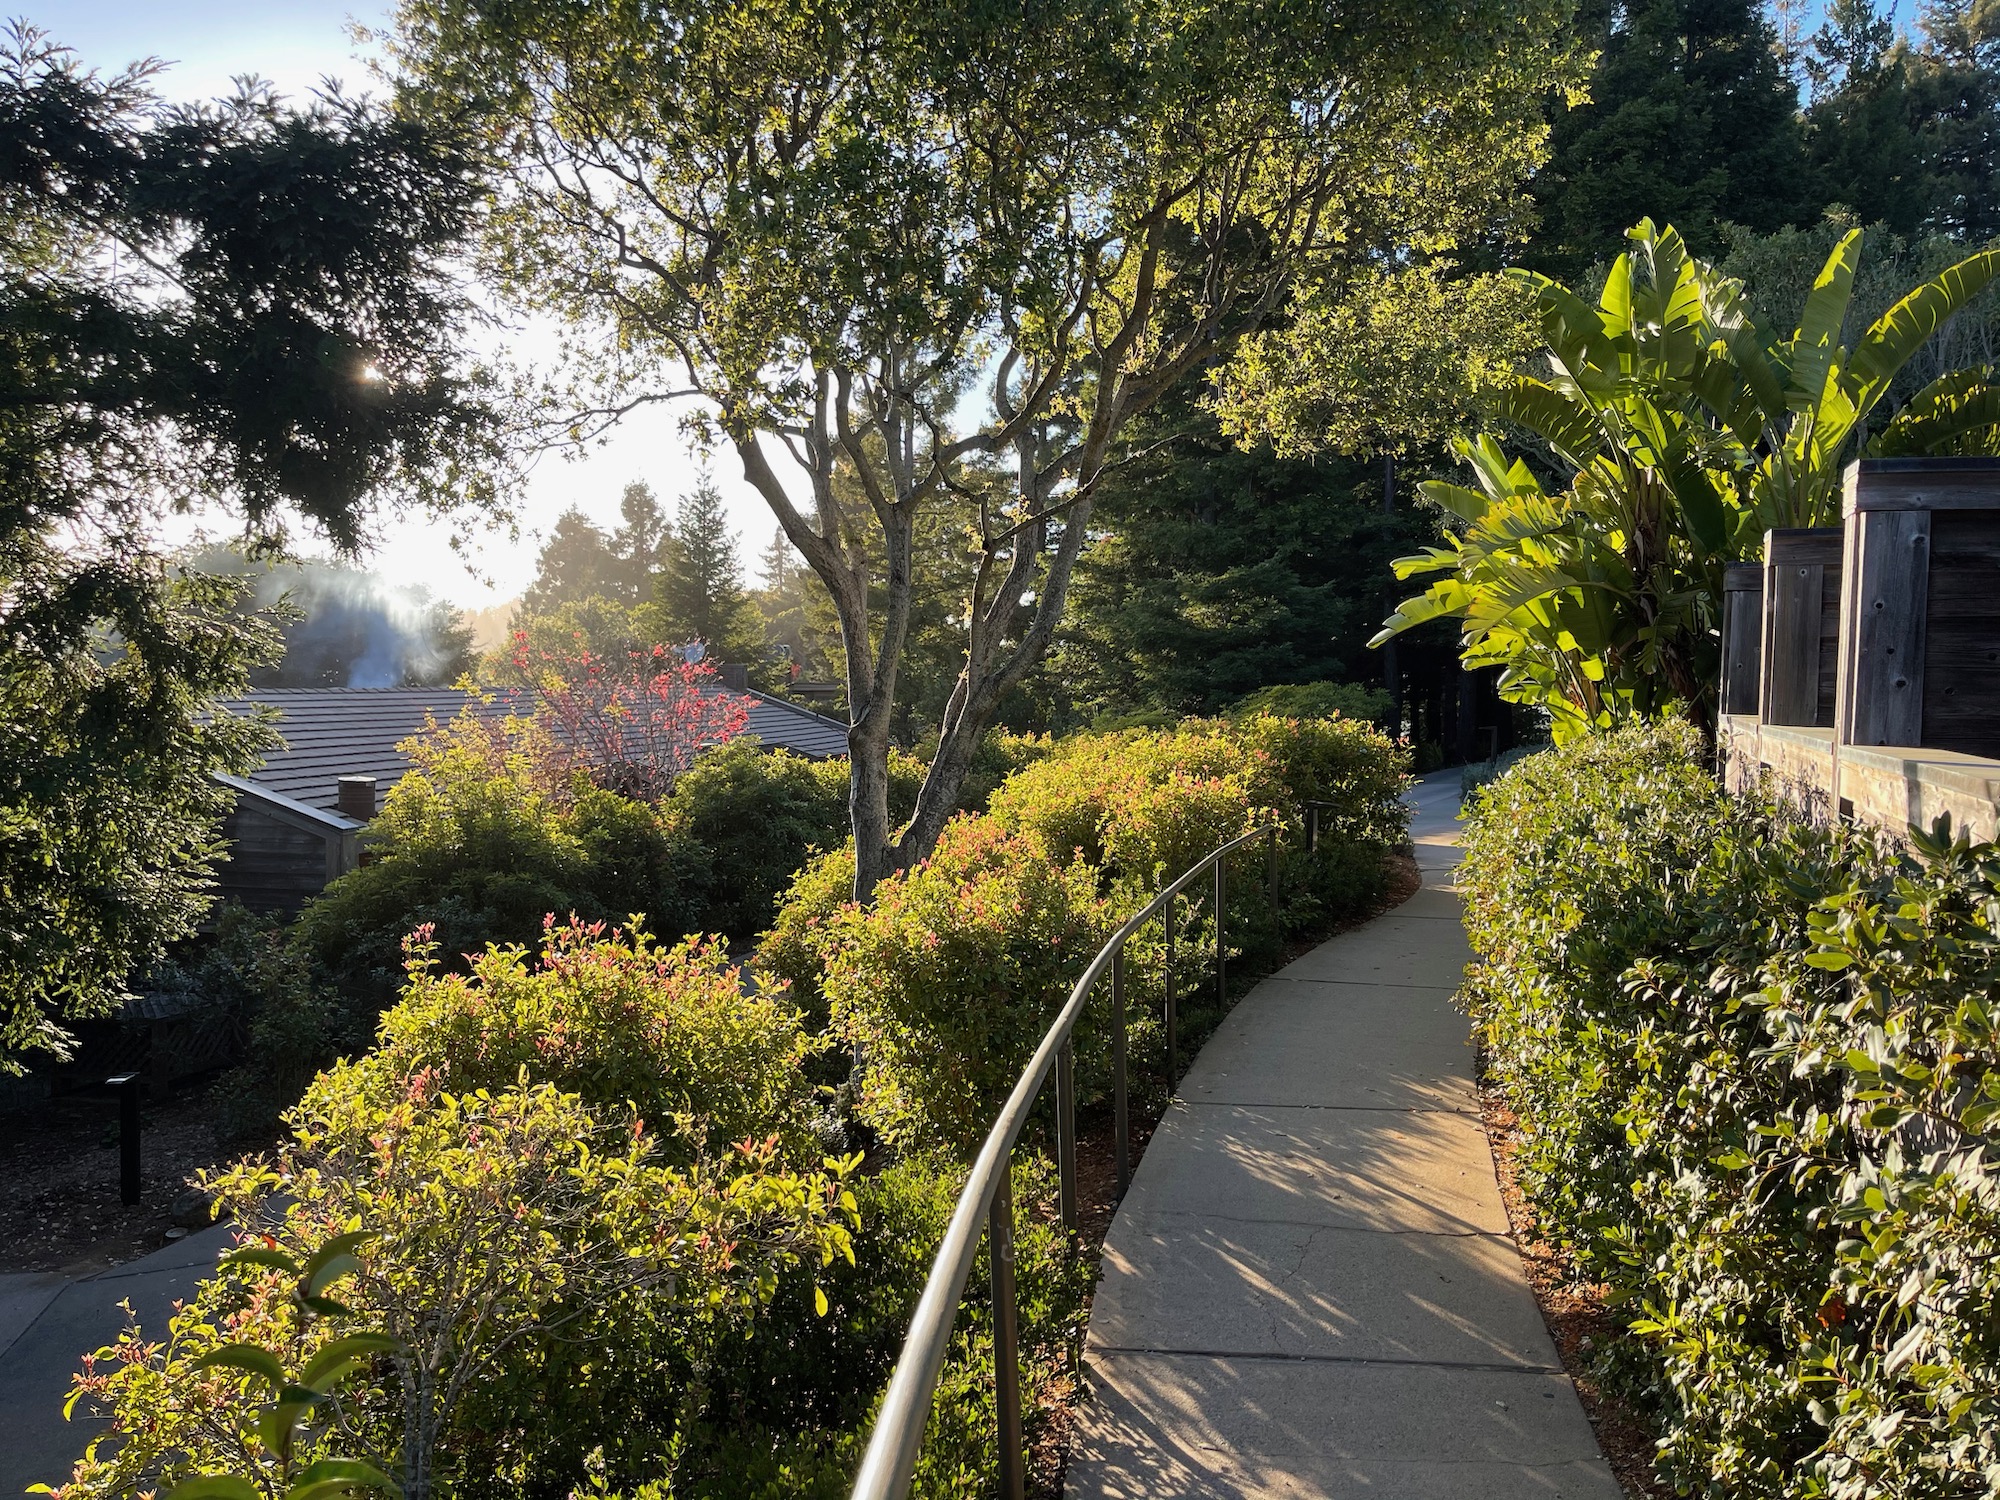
(334,732)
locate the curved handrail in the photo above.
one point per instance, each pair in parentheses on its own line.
(890,1462)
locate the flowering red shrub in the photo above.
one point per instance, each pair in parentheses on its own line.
(634,722)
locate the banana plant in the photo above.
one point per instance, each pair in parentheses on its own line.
(1681,431)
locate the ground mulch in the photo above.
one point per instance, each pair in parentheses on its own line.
(59,1206)
(1575,1310)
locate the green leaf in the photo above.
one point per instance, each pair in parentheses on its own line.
(1818,337)
(1568,426)
(279,1422)
(334,1260)
(1905,328)
(1956,414)
(333,1361)
(819,1300)
(260,1255)
(215,1487)
(339,1476)
(246,1357)
(1829,959)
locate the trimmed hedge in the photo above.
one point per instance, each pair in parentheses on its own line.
(949,978)
(1755,1068)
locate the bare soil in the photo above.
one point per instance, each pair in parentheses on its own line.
(1578,1317)
(59,1205)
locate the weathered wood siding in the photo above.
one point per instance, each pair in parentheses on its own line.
(272,866)
(1961,682)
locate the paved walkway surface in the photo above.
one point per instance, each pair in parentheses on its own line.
(1309,1288)
(49,1321)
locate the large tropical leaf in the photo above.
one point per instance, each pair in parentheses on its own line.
(1578,342)
(1442,600)
(1955,414)
(1812,348)
(1500,478)
(1904,329)
(1566,424)
(1466,504)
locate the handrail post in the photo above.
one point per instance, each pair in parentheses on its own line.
(1173,1039)
(1221,955)
(1121,1122)
(1312,830)
(1006,1350)
(1271,874)
(1066,1134)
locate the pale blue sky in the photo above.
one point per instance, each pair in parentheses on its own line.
(295,43)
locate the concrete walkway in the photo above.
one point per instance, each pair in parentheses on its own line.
(48,1322)
(1309,1288)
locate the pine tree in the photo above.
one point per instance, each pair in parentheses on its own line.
(1692,121)
(1955,90)
(640,545)
(699,595)
(1858,129)
(576,563)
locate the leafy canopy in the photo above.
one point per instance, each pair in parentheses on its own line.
(242,303)
(835,221)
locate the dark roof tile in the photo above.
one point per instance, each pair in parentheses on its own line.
(334,732)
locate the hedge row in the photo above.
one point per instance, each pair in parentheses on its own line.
(1755,1068)
(948,979)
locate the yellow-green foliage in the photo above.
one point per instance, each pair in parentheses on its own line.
(946,978)
(614,1017)
(546,1283)
(952,973)
(1145,804)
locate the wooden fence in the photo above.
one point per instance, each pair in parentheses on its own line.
(1877,651)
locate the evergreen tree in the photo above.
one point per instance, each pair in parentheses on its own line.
(784,586)
(1692,120)
(699,594)
(1858,129)
(640,546)
(1227,571)
(1955,93)
(576,563)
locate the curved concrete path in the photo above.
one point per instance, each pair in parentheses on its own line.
(1310,1288)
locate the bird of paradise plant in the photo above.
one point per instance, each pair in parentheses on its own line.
(1681,430)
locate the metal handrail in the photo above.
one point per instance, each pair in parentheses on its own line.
(890,1462)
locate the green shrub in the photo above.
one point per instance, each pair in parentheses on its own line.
(547,1286)
(1757,1074)
(481,843)
(948,978)
(1316,700)
(795,950)
(755,816)
(614,1018)
(803,1388)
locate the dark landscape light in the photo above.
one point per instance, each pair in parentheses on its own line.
(128,1087)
